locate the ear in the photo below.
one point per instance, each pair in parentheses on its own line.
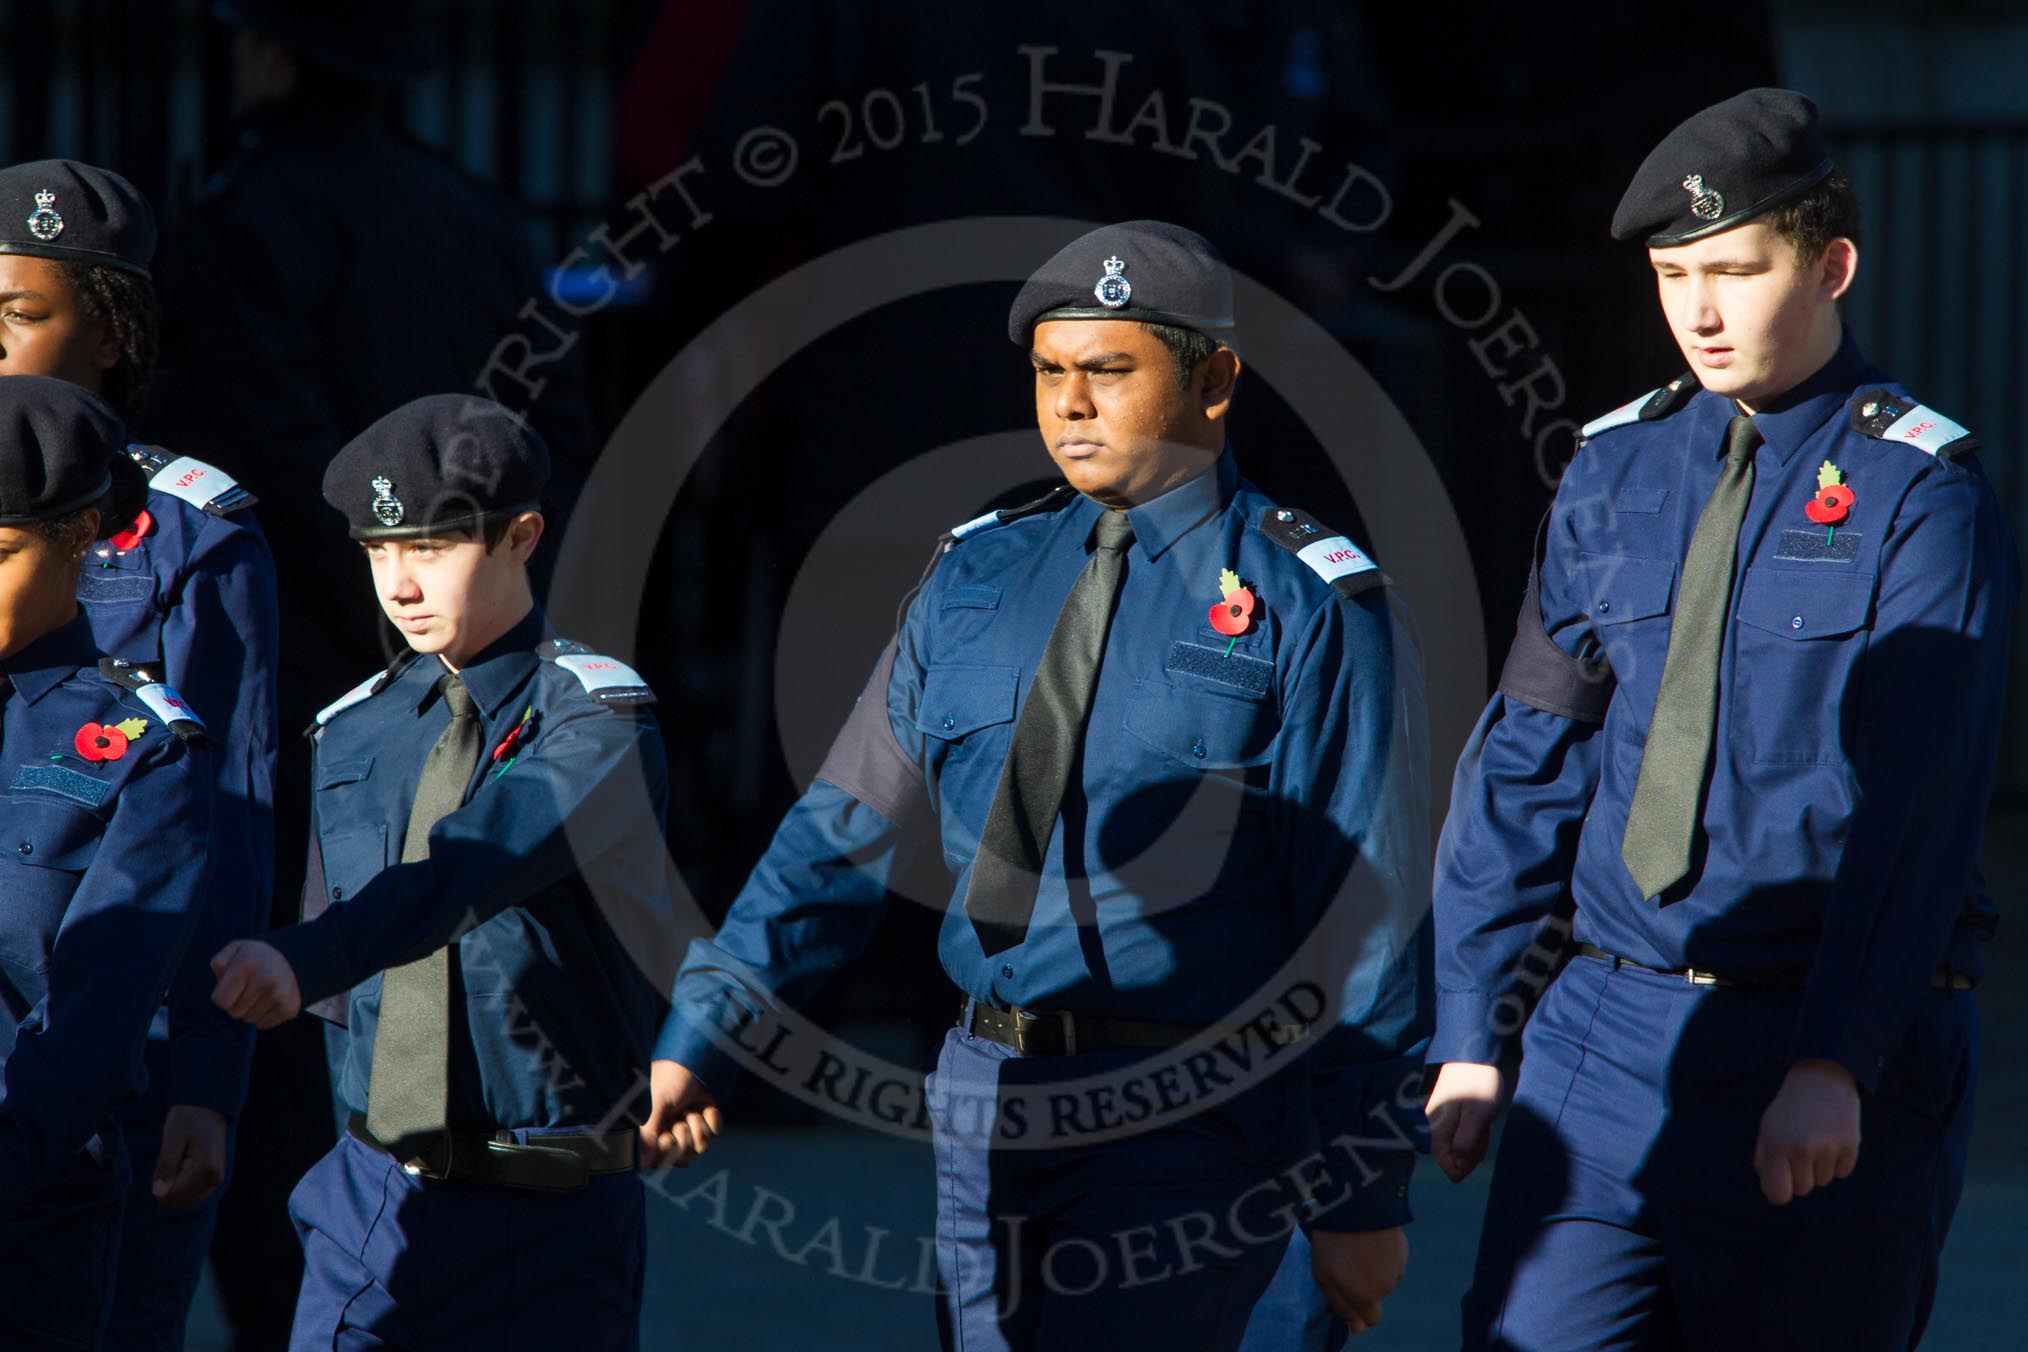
(1218,382)
(1838,268)
(523,534)
(106,350)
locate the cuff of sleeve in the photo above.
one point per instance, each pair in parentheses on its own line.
(686,1038)
(1830,1034)
(1471,1026)
(1377,1198)
(316,955)
(209,1070)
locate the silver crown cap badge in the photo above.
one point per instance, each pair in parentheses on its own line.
(387,508)
(44,223)
(1113,290)
(1706,204)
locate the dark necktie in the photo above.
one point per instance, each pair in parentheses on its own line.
(1668,797)
(410,1088)
(1000,898)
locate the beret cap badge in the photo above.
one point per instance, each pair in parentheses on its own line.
(1113,290)
(1706,204)
(43,222)
(387,508)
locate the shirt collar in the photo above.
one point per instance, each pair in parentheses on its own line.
(52,659)
(1789,421)
(497,672)
(1161,522)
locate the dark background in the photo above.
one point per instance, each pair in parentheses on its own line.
(1531,118)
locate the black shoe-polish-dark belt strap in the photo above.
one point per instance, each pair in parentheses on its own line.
(548,1163)
(1943,979)
(1062,1033)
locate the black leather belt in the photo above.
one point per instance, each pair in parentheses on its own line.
(1061,1033)
(1943,979)
(546,1164)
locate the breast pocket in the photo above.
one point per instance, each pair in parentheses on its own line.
(1799,633)
(352,845)
(1195,816)
(966,718)
(50,845)
(1628,601)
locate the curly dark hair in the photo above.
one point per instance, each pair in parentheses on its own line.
(1828,211)
(124,301)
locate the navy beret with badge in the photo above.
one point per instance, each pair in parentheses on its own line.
(441,462)
(62,450)
(1724,166)
(75,212)
(1150,271)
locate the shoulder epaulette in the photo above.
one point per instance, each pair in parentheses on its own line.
(141,681)
(206,487)
(1656,403)
(1886,416)
(606,679)
(365,690)
(1330,555)
(985,521)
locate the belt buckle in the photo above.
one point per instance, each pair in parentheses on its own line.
(419,1165)
(1026,1022)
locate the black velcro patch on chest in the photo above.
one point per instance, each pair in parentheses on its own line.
(1250,674)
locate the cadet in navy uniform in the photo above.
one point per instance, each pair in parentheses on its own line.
(488,867)
(108,832)
(1169,736)
(1743,745)
(188,584)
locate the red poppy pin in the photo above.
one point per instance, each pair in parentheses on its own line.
(510,746)
(1233,615)
(107,741)
(1833,500)
(134,534)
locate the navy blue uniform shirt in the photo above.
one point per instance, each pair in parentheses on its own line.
(549,882)
(196,594)
(1231,796)
(1860,686)
(104,863)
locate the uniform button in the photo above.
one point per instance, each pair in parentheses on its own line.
(1007,971)
(1796,623)
(27,847)
(1197,750)
(949,722)
(1604,606)
(337,894)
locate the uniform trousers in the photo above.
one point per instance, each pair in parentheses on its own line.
(1165,1238)
(394,1261)
(1625,1211)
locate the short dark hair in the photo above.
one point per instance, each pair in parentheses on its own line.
(1187,346)
(60,530)
(124,301)
(1828,211)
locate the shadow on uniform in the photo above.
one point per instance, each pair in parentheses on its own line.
(1663,1215)
(1173,1235)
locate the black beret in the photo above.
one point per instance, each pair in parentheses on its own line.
(1723,167)
(1149,271)
(63,209)
(63,449)
(442,462)
(377,41)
